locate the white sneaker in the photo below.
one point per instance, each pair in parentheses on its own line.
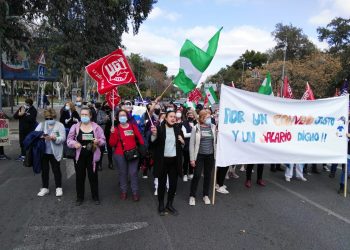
(217,186)
(234,175)
(43,191)
(227,177)
(287,179)
(242,169)
(156,192)
(59,192)
(190,176)
(206,200)
(144,177)
(185,179)
(302,178)
(325,168)
(192,201)
(222,190)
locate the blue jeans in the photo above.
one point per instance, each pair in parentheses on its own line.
(127,168)
(342,178)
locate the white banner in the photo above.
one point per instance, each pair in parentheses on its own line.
(255,128)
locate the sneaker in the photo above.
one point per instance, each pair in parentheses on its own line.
(287,179)
(190,176)
(217,186)
(59,192)
(20,158)
(4,157)
(325,168)
(227,177)
(302,178)
(331,175)
(206,200)
(136,197)
(43,192)
(192,201)
(144,177)
(242,169)
(235,176)
(222,190)
(79,202)
(156,192)
(123,196)
(185,179)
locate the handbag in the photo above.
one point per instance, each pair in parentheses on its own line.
(68,152)
(131,154)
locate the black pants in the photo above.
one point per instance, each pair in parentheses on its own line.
(45,170)
(187,169)
(220,175)
(2,150)
(170,169)
(205,162)
(260,170)
(22,136)
(83,165)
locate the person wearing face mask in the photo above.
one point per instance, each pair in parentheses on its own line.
(202,153)
(55,137)
(78,102)
(87,138)
(167,141)
(27,123)
(69,116)
(125,137)
(179,117)
(187,126)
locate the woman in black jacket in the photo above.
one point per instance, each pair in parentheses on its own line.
(69,116)
(167,141)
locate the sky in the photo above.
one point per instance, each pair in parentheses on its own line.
(247,25)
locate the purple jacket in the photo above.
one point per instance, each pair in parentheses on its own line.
(98,134)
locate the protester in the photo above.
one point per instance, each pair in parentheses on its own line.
(345,167)
(220,179)
(167,141)
(104,121)
(87,138)
(276,167)
(187,126)
(26,115)
(179,116)
(202,153)
(55,137)
(69,116)
(298,171)
(125,137)
(260,170)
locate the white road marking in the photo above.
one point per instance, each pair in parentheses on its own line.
(315,204)
(71,234)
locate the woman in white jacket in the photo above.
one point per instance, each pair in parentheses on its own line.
(55,136)
(202,152)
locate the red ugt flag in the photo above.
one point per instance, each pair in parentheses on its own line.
(308,95)
(113,98)
(287,90)
(111,71)
(195,95)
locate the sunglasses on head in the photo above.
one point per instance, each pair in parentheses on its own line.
(46,119)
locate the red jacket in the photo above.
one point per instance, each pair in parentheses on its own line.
(127,137)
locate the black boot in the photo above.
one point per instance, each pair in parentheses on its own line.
(315,170)
(170,208)
(279,167)
(161,209)
(110,166)
(273,168)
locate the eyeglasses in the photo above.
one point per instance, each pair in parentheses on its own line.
(46,119)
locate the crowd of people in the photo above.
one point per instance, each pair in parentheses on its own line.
(165,142)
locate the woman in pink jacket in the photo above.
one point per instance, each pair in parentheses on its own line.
(87,138)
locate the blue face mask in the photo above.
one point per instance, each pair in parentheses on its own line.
(78,104)
(85,119)
(67,108)
(50,122)
(123,119)
(208,121)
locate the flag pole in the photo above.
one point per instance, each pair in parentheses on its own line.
(165,90)
(214,183)
(137,87)
(346,179)
(113,112)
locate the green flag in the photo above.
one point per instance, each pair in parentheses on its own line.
(266,88)
(212,98)
(194,61)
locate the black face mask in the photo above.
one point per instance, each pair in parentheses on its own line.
(190,119)
(157,111)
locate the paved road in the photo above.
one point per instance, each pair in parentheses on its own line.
(294,215)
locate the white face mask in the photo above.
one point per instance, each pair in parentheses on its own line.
(178,115)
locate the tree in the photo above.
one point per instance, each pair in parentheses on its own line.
(337,35)
(81,31)
(251,59)
(298,44)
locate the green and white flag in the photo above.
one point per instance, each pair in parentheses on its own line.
(266,88)
(189,104)
(194,61)
(212,98)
